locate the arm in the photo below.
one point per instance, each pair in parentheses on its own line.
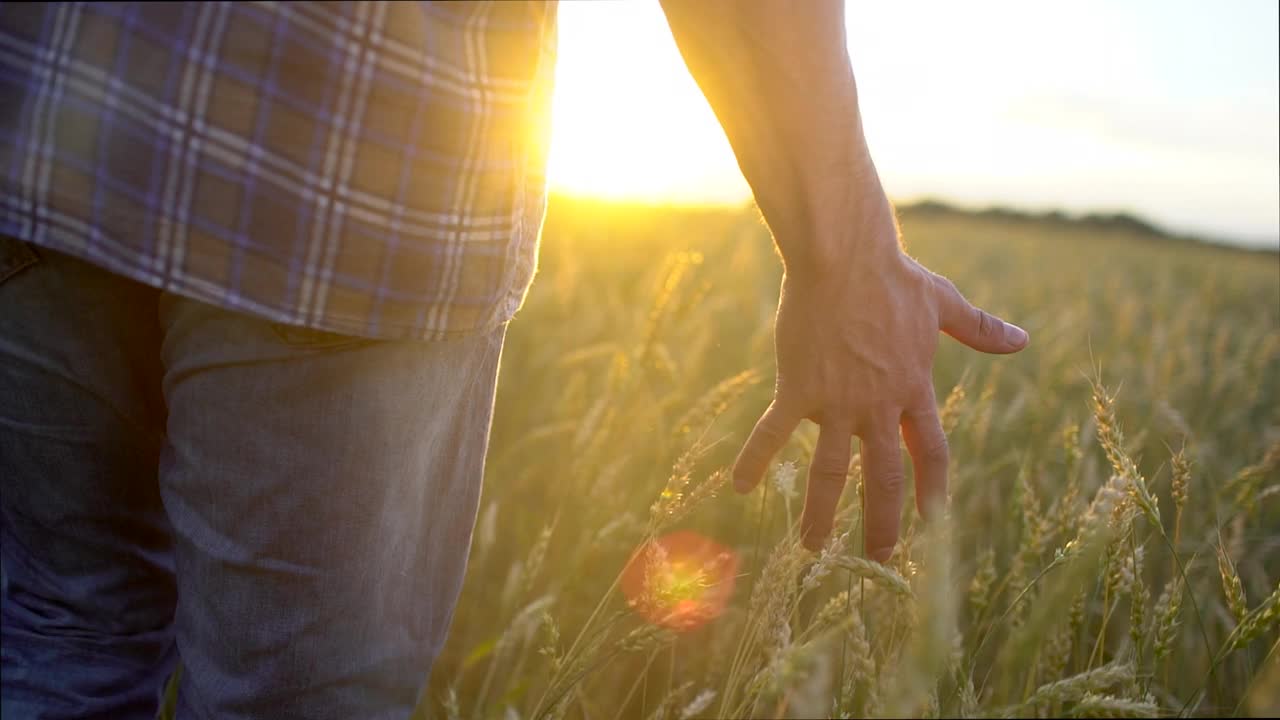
(858,319)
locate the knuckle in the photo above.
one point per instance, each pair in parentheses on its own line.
(881,446)
(890,483)
(938,450)
(920,277)
(832,472)
(986,324)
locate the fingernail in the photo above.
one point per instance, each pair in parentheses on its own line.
(881,554)
(1014,335)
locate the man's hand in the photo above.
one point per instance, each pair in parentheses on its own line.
(855,345)
(858,320)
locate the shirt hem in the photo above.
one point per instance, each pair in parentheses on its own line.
(191,289)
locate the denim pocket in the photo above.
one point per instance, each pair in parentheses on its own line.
(15,256)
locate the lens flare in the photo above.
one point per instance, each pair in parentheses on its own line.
(681,580)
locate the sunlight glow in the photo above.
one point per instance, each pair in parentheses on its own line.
(628,120)
(1099,107)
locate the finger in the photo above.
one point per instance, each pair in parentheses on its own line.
(972,326)
(771,432)
(927,443)
(882,473)
(827,475)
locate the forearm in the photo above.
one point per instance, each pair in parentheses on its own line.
(777,75)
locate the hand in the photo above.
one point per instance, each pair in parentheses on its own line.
(855,342)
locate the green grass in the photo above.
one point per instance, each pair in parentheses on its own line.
(645,345)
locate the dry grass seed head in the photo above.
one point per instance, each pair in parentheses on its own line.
(1165,620)
(1232,588)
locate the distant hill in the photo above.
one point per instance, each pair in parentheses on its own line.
(1112,222)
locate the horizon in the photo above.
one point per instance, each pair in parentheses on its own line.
(1091,118)
(1031,213)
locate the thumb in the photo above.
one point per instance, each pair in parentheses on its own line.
(972,326)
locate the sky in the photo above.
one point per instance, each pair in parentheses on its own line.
(1170,110)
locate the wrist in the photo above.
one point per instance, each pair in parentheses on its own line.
(843,225)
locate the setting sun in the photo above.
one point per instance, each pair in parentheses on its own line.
(629,121)
(992,102)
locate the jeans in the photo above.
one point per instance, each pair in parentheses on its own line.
(287,511)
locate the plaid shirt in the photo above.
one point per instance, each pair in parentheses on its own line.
(368,168)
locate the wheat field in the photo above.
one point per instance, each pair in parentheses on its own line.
(1112,546)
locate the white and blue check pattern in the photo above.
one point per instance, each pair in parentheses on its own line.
(368,168)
